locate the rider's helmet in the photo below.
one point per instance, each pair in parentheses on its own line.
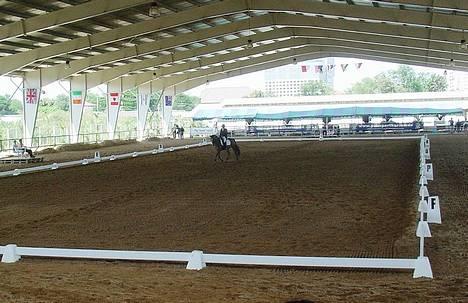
(223,126)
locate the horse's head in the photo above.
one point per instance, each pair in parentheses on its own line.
(213,138)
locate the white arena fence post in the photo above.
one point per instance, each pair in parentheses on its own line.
(422,264)
(97,156)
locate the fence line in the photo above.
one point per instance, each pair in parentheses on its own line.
(98,159)
(196,260)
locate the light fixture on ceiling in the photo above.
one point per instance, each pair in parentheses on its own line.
(463,44)
(154,10)
(294,61)
(250,44)
(67,64)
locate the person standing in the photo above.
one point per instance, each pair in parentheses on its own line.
(181,132)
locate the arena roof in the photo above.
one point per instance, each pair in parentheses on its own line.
(193,41)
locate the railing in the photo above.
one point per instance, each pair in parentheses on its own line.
(52,141)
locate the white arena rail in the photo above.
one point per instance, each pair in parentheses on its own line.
(273,139)
(196,260)
(98,159)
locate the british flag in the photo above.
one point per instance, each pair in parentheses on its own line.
(31,96)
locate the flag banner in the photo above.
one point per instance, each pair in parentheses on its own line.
(77,97)
(331,66)
(358,65)
(168,100)
(344,67)
(319,68)
(32,96)
(305,68)
(114,99)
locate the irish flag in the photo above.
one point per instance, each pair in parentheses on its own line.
(114,99)
(77,97)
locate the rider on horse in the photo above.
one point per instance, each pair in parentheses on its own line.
(223,134)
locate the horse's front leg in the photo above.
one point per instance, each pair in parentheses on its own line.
(228,154)
(217,155)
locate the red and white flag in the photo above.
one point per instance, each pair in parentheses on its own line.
(31,95)
(319,68)
(114,99)
(305,68)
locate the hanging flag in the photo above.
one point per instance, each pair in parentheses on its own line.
(168,100)
(305,68)
(114,99)
(31,95)
(77,97)
(344,67)
(331,66)
(319,68)
(358,65)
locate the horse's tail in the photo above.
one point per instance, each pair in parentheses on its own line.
(236,148)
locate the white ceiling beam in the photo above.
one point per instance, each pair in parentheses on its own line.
(377,14)
(64,16)
(13,62)
(214,75)
(303,26)
(344,48)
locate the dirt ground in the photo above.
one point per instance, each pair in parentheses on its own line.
(300,198)
(108,148)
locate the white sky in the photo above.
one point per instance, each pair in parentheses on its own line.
(343,80)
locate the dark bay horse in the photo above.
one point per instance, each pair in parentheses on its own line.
(216,141)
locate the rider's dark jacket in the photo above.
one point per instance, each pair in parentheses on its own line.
(223,132)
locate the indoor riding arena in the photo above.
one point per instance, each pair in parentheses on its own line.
(338,198)
(347,122)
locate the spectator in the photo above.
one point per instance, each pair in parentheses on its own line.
(24,148)
(175,131)
(181,132)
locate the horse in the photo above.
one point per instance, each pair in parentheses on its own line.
(216,141)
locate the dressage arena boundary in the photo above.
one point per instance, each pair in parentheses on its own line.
(98,159)
(197,260)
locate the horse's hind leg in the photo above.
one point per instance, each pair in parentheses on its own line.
(228,154)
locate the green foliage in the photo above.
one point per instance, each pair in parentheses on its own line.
(9,107)
(260,94)
(402,80)
(58,103)
(129,100)
(185,102)
(316,88)
(99,101)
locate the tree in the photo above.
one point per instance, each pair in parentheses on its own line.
(9,106)
(316,88)
(129,100)
(260,94)
(186,102)
(99,101)
(402,80)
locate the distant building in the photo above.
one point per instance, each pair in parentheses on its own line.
(218,94)
(288,80)
(457,81)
